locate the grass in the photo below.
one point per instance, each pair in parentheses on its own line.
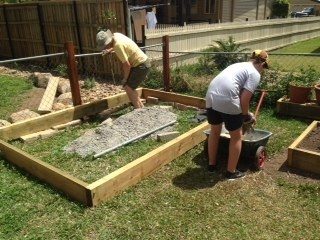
(180,201)
(11,94)
(290,63)
(308,46)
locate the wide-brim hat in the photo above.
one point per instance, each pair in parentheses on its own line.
(261,56)
(103,38)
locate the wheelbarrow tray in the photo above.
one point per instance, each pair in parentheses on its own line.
(250,143)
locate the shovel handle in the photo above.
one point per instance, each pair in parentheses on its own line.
(263,93)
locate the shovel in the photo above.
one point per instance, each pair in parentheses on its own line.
(248,127)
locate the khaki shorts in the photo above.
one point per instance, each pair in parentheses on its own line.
(137,75)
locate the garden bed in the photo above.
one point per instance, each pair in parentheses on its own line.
(310,110)
(76,150)
(109,185)
(304,152)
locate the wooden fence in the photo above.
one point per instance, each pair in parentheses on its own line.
(33,29)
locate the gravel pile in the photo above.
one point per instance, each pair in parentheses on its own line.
(124,128)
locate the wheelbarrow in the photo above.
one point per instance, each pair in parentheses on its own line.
(253,149)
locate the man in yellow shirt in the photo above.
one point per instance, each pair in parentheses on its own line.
(135,63)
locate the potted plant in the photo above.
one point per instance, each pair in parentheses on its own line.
(317,93)
(301,83)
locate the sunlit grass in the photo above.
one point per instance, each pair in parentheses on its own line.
(11,94)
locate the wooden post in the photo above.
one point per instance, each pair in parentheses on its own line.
(143,32)
(166,63)
(8,31)
(43,36)
(76,17)
(73,74)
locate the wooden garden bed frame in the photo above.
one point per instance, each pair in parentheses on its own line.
(307,110)
(92,194)
(301,158)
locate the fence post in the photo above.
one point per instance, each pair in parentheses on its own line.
(166,63)
(43,36)
(73,74)
(8,31)
(76,17)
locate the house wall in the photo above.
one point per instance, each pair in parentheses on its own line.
(226,15)
(243,10)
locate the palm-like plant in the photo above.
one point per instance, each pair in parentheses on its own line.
(227,52)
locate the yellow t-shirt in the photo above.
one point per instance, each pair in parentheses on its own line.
(128,50)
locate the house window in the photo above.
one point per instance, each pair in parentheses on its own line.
(209,6)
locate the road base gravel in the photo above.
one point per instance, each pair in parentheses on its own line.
(124,128)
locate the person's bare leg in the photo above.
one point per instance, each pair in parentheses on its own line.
(234,149)
(134,97)
(213,143)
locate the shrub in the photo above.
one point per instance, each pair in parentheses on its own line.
(154,79)
(280,8)
(89,82)
(179,81)
(227,53)
(305,77)
(61,70)
(276,83)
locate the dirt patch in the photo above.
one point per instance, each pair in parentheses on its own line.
(32,99)
(312,141)
(277,167)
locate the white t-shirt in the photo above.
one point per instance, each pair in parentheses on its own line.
(223,94)
(151,20)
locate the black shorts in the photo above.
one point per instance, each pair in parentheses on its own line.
(231,122)
(137,75)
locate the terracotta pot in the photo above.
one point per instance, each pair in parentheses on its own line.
(317,93)
(299,94)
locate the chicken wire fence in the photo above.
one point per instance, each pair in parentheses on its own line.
(48,86)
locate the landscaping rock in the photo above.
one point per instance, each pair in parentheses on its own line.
(41,79)
(22,115)
(64,86)
(4,123)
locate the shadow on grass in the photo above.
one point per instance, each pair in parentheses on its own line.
(197,177)
(56,193)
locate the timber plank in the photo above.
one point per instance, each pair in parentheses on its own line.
(174,97)
(142,167)
(308,110)
(306,160)
(303,135)
(48,96)
(47,121)
(61,180)
(302,158)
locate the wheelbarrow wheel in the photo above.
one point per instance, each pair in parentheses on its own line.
(260,158)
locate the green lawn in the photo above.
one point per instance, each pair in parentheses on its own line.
(308,46)
(295,62)
(11,94)
(180,201)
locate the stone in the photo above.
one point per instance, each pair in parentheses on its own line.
(4,123)
(41,79)
(22,115)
